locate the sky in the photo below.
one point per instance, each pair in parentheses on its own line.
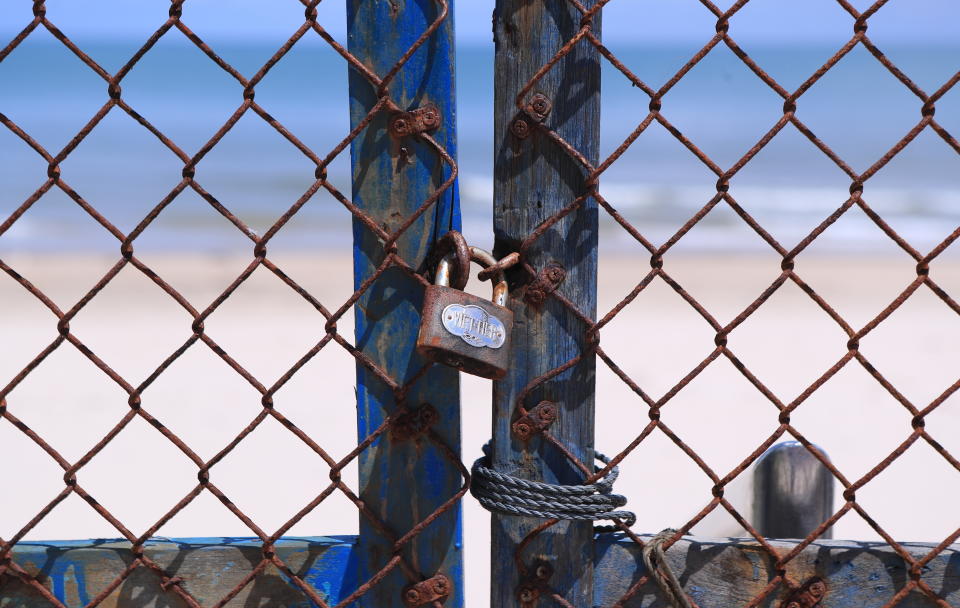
(627,21)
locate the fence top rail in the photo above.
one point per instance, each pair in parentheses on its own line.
(715,572)
(208,568)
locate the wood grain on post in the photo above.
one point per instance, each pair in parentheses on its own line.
(534,179)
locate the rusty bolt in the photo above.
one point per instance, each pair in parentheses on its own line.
(428,414)
(426,592)
(527,594)
(430,118)
(540,104)
(400,126)
(817,589)
(544,571)
(555,273)
(520,128)
(793,605)
(547,411)
(522,430)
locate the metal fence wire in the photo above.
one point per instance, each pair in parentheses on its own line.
(400,540)
(859,197)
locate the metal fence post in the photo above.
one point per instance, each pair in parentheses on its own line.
(792,492)
(403,481)
(535,178)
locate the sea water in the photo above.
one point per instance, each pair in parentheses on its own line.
(858,109)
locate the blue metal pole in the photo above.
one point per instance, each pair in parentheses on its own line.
(402,481)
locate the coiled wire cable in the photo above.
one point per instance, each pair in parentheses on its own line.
(503,493)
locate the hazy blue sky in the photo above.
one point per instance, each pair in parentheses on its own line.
(627,21)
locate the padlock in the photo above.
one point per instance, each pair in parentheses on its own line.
(465,331)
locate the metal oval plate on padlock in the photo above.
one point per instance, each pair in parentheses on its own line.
(464,331)
(474,325)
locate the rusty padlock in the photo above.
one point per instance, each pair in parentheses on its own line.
(465,331)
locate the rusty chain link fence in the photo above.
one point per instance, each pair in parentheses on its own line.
(392,261)
(327,314)
(726,195)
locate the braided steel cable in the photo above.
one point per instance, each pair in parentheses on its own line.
(502,493)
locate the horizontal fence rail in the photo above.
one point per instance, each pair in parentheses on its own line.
(719,573)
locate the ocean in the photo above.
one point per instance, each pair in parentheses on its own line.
(859,109)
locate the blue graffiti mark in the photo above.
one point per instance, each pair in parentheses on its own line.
(69,575)
(71,566)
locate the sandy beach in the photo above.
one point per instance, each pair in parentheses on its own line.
(657,339)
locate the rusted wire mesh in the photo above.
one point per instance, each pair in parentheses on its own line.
(399,539)
(660,271)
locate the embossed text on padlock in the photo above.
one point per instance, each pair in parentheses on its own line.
(465,331)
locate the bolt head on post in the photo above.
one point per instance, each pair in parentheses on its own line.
(546,411)
(430,118)
(522,430)
(818,589)
(555,273)
(543,571)
(400,126)
(520,128)
(428,591)
(539,107)
(527,594)
(419,120)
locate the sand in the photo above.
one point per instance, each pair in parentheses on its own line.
(658,339)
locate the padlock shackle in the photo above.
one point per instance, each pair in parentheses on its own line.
(485,260)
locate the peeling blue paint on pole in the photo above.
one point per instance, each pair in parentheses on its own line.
(403,482)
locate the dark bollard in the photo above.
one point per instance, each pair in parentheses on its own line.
(792,492)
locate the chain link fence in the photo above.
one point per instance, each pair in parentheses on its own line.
(726,195)
(392,261)
(328,316)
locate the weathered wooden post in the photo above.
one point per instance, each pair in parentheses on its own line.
(403,481)
(535,178)
(792,492)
